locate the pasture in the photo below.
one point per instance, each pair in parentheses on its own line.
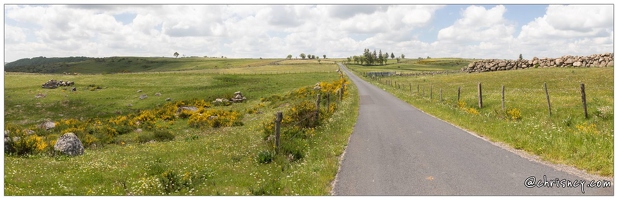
(224,158)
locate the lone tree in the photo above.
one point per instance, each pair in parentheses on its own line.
(176,54)
(289,56)
(521,57)
(302,55)
(392,56)
(403,56)
(324,56)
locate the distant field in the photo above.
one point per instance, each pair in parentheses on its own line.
(415,65)
(199,160)
(565,137)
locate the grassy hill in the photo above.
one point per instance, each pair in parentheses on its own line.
(129,64)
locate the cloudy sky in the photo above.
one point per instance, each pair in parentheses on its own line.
(274,31)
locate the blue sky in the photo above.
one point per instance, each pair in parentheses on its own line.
(274,31)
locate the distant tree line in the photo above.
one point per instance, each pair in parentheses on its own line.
(41,64)
(307,56)
(42,61)
(375,58)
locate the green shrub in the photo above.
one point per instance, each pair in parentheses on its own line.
(145,137)
(265,157)
(163,135)
(294,149)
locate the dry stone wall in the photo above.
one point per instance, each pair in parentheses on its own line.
(596,60)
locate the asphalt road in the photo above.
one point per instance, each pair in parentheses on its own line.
(395,149)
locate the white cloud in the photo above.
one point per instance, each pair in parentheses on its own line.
(570,29)
(479,24)
(14,34)
(279,30)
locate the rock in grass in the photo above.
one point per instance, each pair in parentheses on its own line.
(143,96)
(168,99)
(69,144)
(189,108)
(47,125)
(158,94)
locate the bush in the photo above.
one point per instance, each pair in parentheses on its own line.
(301,115)
(265,157)
(215,118)
(294,149)
(163,135)
(145,137)
(20,143)
(514,114)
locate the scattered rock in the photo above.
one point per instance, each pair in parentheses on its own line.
(238,97)
(168,99)
(74,89)
(139,130)
(40,95)
(51,84)
(317,86)
(212,117)
(189,108)
(130,105)
(138,91)
(69,144)
(47,125)
(143,96)
(157,94)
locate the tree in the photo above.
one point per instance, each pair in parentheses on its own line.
(312,56)
(324,56)
(381,57)
(351,59)
(302,55)
(289,56)
(520,57)
(392,56)
(385,57)
(319,60)
(403,56)
(176,54)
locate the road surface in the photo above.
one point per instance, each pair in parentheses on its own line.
(395,149)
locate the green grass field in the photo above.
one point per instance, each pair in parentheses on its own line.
(566,137)
(198,161)
(416,65)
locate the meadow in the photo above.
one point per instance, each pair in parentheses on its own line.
(565,137)
(186,153)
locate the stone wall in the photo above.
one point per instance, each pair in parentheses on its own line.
(596,60)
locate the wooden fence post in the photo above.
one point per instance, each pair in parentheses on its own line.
(317,108)
(503,97)
(418,89)
(278,128)
(327,101)
(340,94)
(480,96)
(410,88)
(440,94)
(547,95)
(458,93)
(584,101)
(430,92)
